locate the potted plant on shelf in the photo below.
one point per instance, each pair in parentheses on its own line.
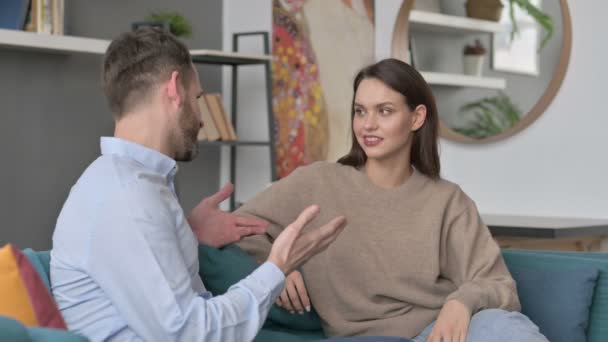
(170,20)
(474,56)
(484,9)
(492,10)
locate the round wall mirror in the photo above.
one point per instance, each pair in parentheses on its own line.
(490,81)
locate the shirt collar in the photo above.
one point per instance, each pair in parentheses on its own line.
(147,157)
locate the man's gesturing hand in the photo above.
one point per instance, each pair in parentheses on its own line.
(292,248)
(218,228)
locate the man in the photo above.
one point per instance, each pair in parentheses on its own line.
(124,264)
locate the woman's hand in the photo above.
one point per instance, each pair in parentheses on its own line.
(452,323)
(294,296)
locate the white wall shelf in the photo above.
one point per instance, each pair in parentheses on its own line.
(461,80)
(52,43)
(436,22)
(71,44)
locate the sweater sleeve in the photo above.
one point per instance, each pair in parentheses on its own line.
(471,259)
(279,204)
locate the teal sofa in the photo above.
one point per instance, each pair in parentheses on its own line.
(222,267)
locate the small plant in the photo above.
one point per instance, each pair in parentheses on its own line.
(178,25)
(493,115)
(491,9)
(477,49)
(541,18)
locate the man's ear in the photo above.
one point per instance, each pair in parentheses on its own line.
(418,117)
(175,89)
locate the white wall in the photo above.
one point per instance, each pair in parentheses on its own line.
(556,167)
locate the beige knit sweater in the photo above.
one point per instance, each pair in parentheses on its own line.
(404,252)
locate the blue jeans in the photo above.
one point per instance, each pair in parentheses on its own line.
(497,326)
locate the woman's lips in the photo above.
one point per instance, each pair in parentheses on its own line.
(371,140)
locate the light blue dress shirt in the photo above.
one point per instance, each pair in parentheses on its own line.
(124,263)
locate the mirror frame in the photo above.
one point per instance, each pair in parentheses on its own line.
(399,50)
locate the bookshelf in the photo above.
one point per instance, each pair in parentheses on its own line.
(234,143)
(235,60)
(22,40)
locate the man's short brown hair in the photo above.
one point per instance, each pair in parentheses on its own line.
(136,62)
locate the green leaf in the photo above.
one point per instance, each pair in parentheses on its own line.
(492,116)
(178,25)
(541,18)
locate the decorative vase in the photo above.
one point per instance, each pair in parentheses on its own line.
(484,9)
(473,64)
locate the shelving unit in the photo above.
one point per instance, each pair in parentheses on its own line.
(234,143)
(451,24)
(424,21)
(22,40)
(461,80)
(52,43)
(235,59)
(227,58)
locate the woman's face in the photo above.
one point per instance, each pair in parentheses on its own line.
(383,123)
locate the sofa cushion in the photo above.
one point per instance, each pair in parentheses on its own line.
(23,294)
(558,301)
(598,318)
(221,268)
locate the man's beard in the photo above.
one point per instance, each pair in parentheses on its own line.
(187,137)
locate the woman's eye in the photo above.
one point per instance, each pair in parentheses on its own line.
(359,112)
(386,111)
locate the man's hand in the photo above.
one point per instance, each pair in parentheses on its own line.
(292,248)
(452,324)
(218,228)
(294,296)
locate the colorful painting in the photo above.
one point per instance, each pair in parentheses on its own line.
(318,47)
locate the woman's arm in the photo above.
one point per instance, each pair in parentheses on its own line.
(471,259)
(279,204)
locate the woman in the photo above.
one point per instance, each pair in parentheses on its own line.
(415,259)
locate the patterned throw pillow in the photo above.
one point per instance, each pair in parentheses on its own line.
(23,295)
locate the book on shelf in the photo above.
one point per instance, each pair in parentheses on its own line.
(13,14)
(229,125)
(58,14)
(202,136)
(220,119)
(209,130)
(46,16)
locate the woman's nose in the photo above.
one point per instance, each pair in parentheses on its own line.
(370,122)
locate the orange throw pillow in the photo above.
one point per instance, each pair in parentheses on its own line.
(23,295)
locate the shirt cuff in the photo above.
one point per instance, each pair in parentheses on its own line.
(270,277)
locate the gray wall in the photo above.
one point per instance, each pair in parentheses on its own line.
(53,113)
